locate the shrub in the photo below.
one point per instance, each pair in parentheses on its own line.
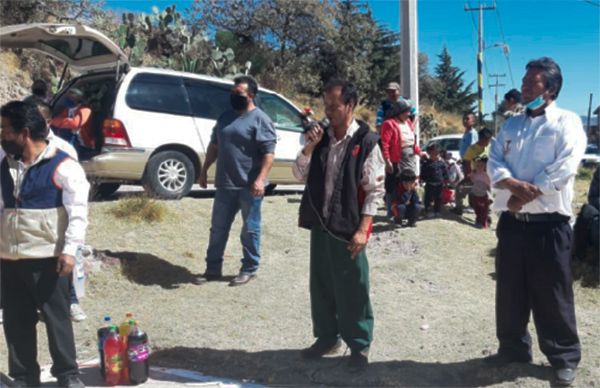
(139,208)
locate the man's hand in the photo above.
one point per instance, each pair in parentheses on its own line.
(65,264)
(525,191)
(515,204)
(312,138)
(203,179)
(258,187)
(389,167)
(359,241)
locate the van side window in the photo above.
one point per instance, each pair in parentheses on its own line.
(208,100)
(157,93)
(284,116)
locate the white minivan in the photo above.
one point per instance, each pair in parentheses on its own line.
(152,125)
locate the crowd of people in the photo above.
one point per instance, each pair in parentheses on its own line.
(348,170)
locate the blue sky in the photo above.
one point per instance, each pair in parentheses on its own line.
(566,30)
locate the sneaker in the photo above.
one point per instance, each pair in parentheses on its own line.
(70,381)
(565,376)
(358,360)
(77,313)
(320,348)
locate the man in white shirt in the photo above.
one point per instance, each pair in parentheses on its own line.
(532,166)
(344,172)
(43,217)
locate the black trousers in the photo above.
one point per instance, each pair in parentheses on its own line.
(433,193)
(533,268)
(26,286)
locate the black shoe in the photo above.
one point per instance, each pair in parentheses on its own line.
(242,279)
(412,224)
(207,277)
(501,359)
(457,211)
(358,359)
(565,376)
(70,381)
(320,349)
(25,382)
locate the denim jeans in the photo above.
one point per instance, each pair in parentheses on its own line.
(226,205)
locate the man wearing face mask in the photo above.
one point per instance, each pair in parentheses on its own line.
(532,166)
(43,217)
(243,145)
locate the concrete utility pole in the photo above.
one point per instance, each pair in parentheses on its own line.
(480,9)
(496,86)
(409,66)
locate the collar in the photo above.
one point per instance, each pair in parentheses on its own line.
(349,132)
(48,152)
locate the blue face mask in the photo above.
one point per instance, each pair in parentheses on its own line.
(70,103)
(536,103)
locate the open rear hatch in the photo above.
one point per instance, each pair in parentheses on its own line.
(83,48)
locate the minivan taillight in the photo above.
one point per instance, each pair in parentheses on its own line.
(115,134)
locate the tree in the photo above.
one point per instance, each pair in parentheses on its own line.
(450,93)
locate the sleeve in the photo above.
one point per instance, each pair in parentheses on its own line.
(497,168)
(386,137)
(469,153)
(265,136)
(372,181)
(301,166)
(76,122)
(570,149)
(71,177)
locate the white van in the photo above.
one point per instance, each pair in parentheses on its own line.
(152,125)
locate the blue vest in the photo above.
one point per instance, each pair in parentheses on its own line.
(38,189)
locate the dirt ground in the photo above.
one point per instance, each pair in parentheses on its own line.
(432,289)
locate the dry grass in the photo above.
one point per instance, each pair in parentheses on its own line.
(139,209)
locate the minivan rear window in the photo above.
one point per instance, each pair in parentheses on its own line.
(157,93)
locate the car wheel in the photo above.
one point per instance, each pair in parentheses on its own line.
(169,175)
(103,190)
(270,189)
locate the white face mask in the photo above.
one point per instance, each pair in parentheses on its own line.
(536,103)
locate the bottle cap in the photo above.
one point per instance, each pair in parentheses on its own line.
(106,318)
(129,315)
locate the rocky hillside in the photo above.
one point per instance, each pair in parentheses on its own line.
(14,82)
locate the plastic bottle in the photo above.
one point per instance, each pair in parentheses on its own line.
(102,333)
(124,327)
(138,353)
(113,361)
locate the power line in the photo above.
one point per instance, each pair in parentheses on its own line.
(505,51)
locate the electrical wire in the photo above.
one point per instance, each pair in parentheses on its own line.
(506,52)
(487,83)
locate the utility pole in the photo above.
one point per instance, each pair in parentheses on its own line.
(496,86)
(409,69)
(480,9)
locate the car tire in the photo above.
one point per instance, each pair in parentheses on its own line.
(169,175)
(103,190)
(270,189)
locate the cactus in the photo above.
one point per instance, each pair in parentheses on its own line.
(165,36)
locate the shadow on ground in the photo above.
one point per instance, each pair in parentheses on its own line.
(284,367)
(148,270)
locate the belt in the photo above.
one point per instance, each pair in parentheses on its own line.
(538,217)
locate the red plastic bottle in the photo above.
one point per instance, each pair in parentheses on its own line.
(113,362)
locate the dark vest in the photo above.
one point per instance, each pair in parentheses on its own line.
(38,189)
(347,197)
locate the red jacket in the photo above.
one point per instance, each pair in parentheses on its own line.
(391,140)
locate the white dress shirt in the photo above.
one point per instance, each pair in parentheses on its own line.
(545,151)
(75,187)
(372,178)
